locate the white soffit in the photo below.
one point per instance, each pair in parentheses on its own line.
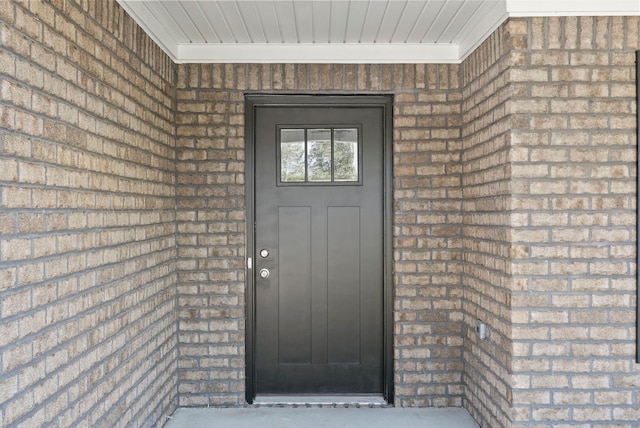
(340,31)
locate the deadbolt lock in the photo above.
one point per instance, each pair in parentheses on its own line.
(264,273)
(264,253)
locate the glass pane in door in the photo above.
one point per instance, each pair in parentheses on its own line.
(292,155)
(345,152)
(319,154)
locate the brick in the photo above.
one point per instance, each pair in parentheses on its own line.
(17,94)
(16,356)
(15,249)
(549,414)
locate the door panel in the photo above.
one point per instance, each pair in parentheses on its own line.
(294,294)
(319,313)
(343,250)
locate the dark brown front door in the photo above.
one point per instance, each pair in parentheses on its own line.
(319,262)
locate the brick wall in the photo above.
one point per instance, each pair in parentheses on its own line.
(573,222)
(211,215)
(550,262)
(486,189)
(87,221)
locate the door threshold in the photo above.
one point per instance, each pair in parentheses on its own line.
(363,400)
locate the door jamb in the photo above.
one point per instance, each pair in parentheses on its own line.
(253,101)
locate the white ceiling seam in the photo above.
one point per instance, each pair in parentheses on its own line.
(341,31)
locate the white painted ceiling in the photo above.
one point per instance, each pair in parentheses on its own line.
(340,31)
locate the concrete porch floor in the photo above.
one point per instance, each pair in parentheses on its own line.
(326,417)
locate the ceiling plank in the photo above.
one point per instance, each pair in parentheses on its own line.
(372,22)
(339,20)
(287,21)
(455,21)
(471,12)
(165,20)
(378,31)
(181,18)
(409,19)
(304,20)
(446,13)
(234,21)
(357,14)
(321,11)
(216,19)
(425,21)
(268,17)
(251,21)
(390,21)
(199,18)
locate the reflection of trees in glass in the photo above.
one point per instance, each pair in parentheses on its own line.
(292,162)
(345,152)
(345,159)
(319,153)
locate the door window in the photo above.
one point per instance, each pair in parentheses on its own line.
(319,156)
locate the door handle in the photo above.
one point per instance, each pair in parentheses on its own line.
(264,273)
